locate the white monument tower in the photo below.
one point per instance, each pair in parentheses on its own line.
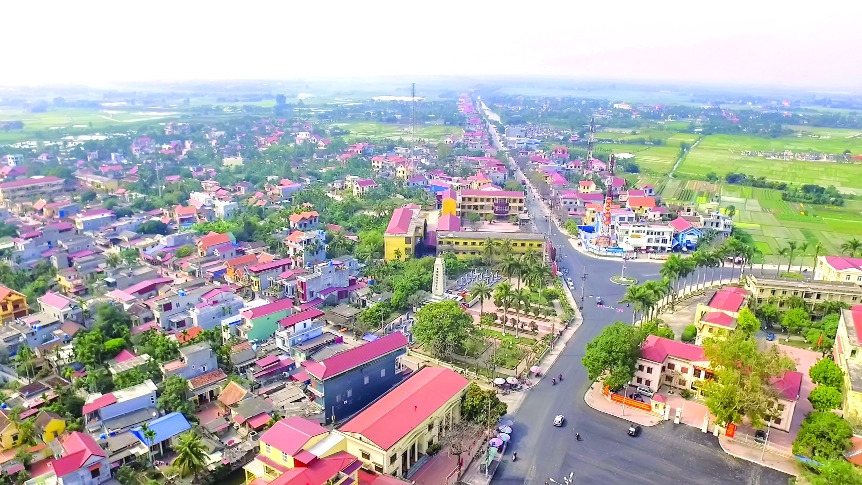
(438,284)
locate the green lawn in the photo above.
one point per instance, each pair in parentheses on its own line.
(654,159)
(378,131)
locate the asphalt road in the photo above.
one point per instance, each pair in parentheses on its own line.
(666,453)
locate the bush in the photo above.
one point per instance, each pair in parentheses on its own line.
(434,448)
(686,394)
(689,334)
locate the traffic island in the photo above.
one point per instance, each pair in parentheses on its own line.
(623,280)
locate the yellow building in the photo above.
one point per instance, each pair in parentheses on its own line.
(449,203)
(8,431)
(98,182)
(499,203)
(778,291)
(12,304)
(717,318)
(31,188)
(464,244)
(392,434)
(838,269)
(847,353)
(403,172)
(298,451)
(406,229)
(50,425)
(363,186)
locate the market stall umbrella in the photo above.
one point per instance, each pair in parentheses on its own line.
(512,381)
(504,437)
(506,429)
(534,369)
(506,422)
(495,442)
(499,381)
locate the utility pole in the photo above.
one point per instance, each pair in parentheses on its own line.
(583,285)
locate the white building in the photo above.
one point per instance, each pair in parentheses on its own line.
(643,237)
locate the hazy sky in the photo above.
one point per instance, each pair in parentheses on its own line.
(811,44)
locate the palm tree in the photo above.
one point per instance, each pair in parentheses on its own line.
(531,258)
(654,291)
(781,253)
(481,290)
(149,436)
(791,248)
(701,261)
(851,247)
(192,455)
(675,269)
(817,248)
(27,432)
(504,294)
(635,295)
(397,253)
(113,260)
(802,248)
(524,302)
(24,359)
(490,248)
(510,266)
(538,274)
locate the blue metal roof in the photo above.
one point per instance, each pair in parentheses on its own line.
(165,427)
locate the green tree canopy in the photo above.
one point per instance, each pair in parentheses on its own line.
(825,398)
(657,327)
(442,326)
(478,401)
(796,320)
(613,354)
(747,322)
(827,373)
(173,397)
(823,434)
(832,472)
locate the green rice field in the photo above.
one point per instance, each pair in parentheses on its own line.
(380,131)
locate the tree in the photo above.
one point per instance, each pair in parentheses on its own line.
(827,373)
(149,437)
(825,398)
(113,260)
(796,320)
(822,435)
(791,248)
(730,211)
(153,227)
(481,290)
(782,252)
(185,251)
(24,360)
(689,334)
(769,314)
(504,295)
(613,355)
(173,397)
(477,404)
(830,472)
(747,322)
(802,248)
(192,455)
(742,386)
(23,456)
(127,475)
(851,247)
(442,326)
(817,249)
(511,266)
(658,328)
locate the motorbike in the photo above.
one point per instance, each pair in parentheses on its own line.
(553,382)
(578,436)
(514,456)
(560,378)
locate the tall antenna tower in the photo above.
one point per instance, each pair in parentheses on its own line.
(591,140)
(412,119)
(612,164)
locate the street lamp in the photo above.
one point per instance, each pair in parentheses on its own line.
(763,452)
(583,285)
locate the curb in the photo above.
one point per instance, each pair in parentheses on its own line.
(765,465)
(614,415)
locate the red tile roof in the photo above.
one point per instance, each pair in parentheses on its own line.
(245,259)
(291,434)
(188,334)
(259,420)
(213,239)
(207,379)
(320,471)
(449,222)
(292,320)
(657,349)
(404,408)
(719,318)
(680,224)
(278,263)
(29,181)
(789,385)
(356,356)
(641,201)
(268,309)
(400,221)
(303,215)
(841,263)
(79,448)
(728,301)
(99,403)
(491,193)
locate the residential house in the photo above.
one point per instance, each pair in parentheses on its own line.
(81,462)
(61,308)
(109,418)
(360,187)
(242,357)
(124,278)
(215,306)
(392,434)
(262,322)
(94,219)
(717,318)
(299,328)
(304,221)
(234,264)
(306,247)
(195,360)
(346,382)
(686,236)
(13,304)
(465,244)
(31,188)
(406,230)
(718,222)
(640,205)
(838,269)
(49,426)
(185,216)
(172,308)
(331,282)
(166,428)
(588,187)
(211,240)
(270,368)
(261,275)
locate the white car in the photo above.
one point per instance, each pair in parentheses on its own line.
(559,420)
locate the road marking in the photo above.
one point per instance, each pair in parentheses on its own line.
(531,474)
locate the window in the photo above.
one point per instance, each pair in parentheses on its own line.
(639,380)
(268,449)
(349,393)
(781,407)
(684,370)
(430,426)
(366,379)
(671,366)
(378,468)
(668,378)
(648,382)
(641,368)
(649,370)
(777,421)
(95,472)
(393,458)
(382,372)
(284,457)
(365,455)
(682,382)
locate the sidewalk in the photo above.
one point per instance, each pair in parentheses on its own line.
(596,400)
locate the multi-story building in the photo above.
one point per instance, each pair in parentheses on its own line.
(166,429)
(31,188)
(13,304)
(464,244)
(224,209)
(717,318)
(778,291)
(847,353)
(171,309)
(718,222)
(348,381)
(81,462)
(261,322)
(306,247)
(93,220)
(838,269)
(304,221)
(391,434)
(215,306)
(299,328)
(13,160)
(211,240)
(646,237)
(122,278)
(261,275)
(108,418)
(407,228)
(331,282)
(195,360)
(363,186)
(497,203)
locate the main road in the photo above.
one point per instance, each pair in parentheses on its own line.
(667,453)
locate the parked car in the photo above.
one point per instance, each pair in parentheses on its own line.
(634,430)
(760,436)
(645,391)
(559,420)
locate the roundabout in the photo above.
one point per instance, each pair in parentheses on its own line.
(623,280)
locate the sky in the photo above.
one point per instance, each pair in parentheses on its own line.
(725,42)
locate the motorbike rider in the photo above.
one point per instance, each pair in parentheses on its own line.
(554,381)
